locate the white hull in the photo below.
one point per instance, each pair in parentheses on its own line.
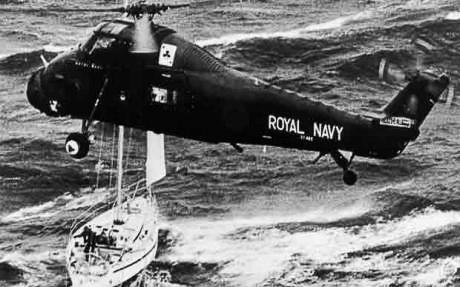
(112,264)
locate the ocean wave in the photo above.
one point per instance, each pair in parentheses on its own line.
(252,259)
(383,203)
(36,267)
(10,274)
(56,49)
(20,35)
(354,54)
(176,208)
(53,213)
(42,211)
(295,33)
(25,62)
(269,53)
(187,273)
(454,15)
(40,174)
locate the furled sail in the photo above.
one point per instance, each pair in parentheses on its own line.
(155,164)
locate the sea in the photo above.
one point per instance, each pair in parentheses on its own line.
(267,216)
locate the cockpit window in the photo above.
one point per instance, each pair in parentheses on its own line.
(102,43)
(112,28)
(107,35)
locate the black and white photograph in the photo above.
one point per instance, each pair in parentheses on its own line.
(229,143)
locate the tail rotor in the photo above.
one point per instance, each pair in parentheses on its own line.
(396,74)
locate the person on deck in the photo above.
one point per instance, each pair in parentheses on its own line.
(85,234)
(89,238)
(92,240)
(102,238)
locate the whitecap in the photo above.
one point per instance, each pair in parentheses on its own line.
(333,24)
(453,15)
(56,48)
(251,260)
(44,210)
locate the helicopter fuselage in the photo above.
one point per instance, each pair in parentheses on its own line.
(183,90)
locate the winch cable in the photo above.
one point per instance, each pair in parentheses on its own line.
(99,164)
(112,156)
(128,149)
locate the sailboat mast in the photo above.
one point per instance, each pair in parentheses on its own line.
(121,136)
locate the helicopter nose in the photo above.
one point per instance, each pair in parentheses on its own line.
(35,93)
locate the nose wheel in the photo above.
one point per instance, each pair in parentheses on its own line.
(77,145)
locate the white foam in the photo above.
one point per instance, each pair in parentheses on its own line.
(399,185)
(439,272)
(59,204)
(35,265)
(264,252)
(25,213)
(18,257)
(453,16)
(56,48)
(296,33)
(88,200)
(48,48)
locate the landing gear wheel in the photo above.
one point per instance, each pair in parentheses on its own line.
(349,177)
(77,145)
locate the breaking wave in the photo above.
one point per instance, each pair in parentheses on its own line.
(10,274)
(453,15)
(262,253)
(295,33)
(22,63)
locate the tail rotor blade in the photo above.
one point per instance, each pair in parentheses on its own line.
(389,72)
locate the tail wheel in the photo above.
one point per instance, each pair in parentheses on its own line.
(350,177)
(77,145)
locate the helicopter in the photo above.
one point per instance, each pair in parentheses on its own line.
(180,89)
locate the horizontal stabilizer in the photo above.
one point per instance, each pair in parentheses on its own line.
(448,97)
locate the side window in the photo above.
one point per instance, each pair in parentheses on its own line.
(163,96)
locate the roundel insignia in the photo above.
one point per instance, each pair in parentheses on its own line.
(72,147)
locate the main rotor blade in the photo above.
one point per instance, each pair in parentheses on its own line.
(130,8)
(63,10)
(136,10)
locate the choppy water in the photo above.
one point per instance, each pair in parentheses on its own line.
(251,219)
